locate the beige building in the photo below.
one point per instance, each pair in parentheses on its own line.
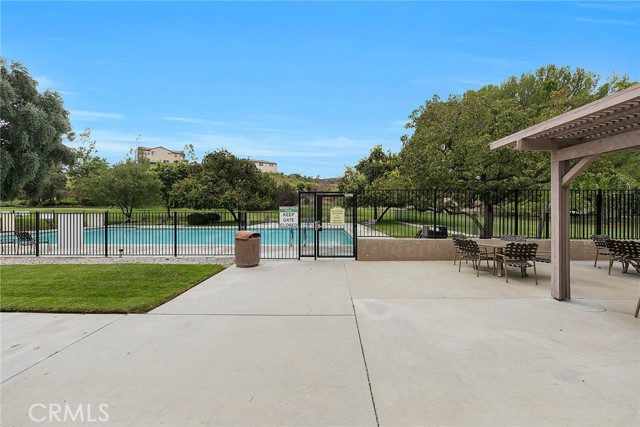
(157,155)
(265,166)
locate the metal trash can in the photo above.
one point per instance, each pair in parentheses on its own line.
(434,232)
(247,248)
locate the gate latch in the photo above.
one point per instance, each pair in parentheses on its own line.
(317,225)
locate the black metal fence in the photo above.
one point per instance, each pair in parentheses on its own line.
(409,213)
(143,233)
(393,213)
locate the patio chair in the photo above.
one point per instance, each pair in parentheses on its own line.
(470,251)
(637,309)
(456,238)
(616,253)
(600,240)
(626,252)
(521,255)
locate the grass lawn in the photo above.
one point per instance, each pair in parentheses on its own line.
(112,288)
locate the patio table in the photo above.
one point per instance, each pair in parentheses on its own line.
(498,246)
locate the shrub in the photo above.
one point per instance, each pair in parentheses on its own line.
(213,217)
(196,219)
(202,218)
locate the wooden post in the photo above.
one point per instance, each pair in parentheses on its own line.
(560,266)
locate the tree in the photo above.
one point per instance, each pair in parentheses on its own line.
(169,175)
(32,127)
(223,181)
(376,171)
(128,185)
(450,144)
(86,164)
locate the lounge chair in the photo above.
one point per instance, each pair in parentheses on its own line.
(370,222)
(24,239)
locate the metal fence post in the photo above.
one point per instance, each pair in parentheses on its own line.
(175,233)
(355,225)
(106,233)
(37,233)
(599,212)
(242,220)
(516,218)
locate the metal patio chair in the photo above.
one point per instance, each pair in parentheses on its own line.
(521,255)
(470,251)
(627,252)
(456,238)
(600,240)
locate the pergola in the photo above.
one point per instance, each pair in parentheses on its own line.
(603,126)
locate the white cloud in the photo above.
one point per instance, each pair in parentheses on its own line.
(597,21)
(609,6)
(495,61)
(94,115)
(45,83)
(195,121)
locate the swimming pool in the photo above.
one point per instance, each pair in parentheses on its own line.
(202,236)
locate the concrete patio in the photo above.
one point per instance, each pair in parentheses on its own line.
(340,343)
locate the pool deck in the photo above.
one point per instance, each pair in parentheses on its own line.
(341,343)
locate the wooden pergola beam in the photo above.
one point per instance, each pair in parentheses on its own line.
(576,170)
(605,145)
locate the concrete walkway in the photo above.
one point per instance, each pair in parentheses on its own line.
(338,343)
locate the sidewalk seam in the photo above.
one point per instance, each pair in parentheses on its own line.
(364,358)
(64,348)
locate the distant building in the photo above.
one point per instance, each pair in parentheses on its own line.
(265,166)
(157,155)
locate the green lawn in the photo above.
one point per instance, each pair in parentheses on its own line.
(97,288)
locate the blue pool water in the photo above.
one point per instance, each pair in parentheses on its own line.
(202,236)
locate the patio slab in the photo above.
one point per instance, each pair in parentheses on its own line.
(525,362)
(30,338)
(206,370)
(280,344)
(271,288)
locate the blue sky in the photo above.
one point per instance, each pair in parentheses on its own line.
(310,85)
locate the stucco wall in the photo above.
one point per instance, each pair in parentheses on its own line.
(385,249)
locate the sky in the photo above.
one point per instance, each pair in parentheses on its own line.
(312,86)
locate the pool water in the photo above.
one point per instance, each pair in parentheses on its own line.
(202,236)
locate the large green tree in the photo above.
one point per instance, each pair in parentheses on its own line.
(449,147)
(169,175)
(32,128)
(128,185)
(224,181)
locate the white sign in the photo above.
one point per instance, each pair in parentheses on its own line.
(288,216)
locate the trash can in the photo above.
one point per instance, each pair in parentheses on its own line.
(247,248)
(434,232)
